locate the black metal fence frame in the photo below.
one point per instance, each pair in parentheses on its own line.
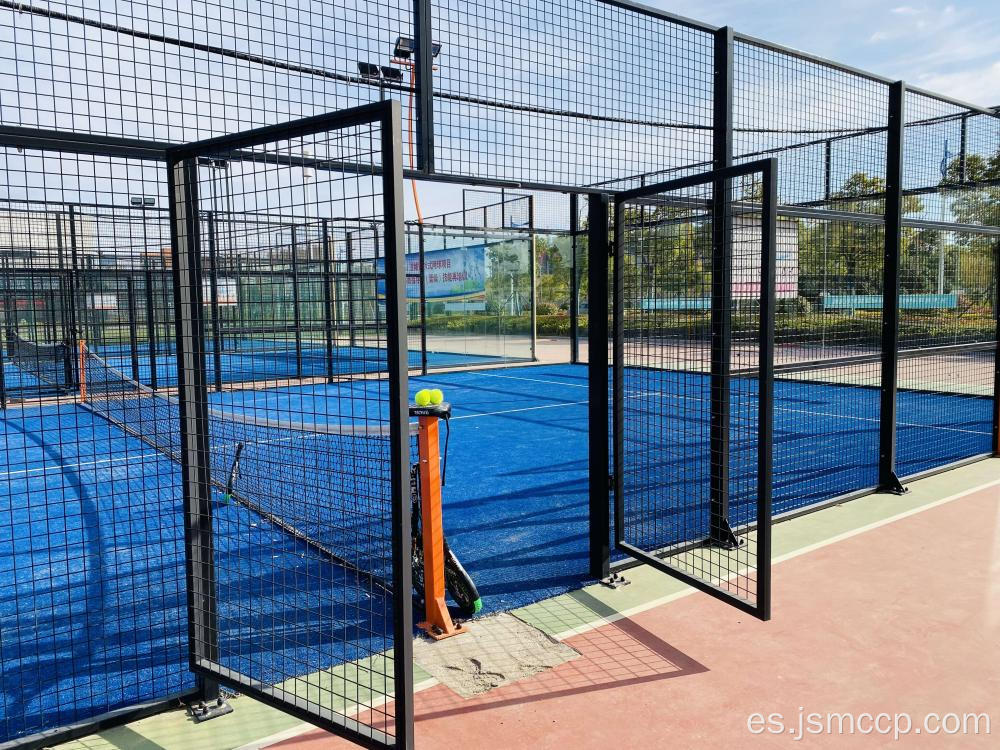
(182,161)
(599,197)
(720,532)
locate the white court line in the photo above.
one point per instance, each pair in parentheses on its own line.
(80,464)
(673,396)
(352,710)
(638,609)
(514,411)
(530,380)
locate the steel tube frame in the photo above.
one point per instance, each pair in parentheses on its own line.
(204,657)
(761,608)
(887,479)
(598,249)
(722,285)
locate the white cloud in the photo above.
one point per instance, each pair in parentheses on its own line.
(979,85)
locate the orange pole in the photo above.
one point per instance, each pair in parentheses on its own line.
(409,128)
(438,622)
(82,367)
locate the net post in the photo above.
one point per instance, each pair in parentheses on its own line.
(721,309)
(437,621)
(349,248)
(133,324)
(3,377)
(213,280)
(193,407)
(597,371)
(81,368)
(533,271)
(296,298)
(887,479)
(423,298)
(151,327)
(327,298)
(396,360)
(74,280)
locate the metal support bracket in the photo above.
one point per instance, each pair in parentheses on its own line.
(894,486)
(615,581)
(724,537)
(203,711)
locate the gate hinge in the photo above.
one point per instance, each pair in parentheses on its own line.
(611,481)
(611,249)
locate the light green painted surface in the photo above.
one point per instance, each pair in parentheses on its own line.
(251,721)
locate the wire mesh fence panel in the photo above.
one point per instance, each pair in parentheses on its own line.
(694,287)
(92,590)
(477,296)
(297,501)
(827,130)
(947,296)
(539,124)
(172,72)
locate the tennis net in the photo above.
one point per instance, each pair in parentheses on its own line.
(325,484)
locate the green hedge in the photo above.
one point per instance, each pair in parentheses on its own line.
(936,328)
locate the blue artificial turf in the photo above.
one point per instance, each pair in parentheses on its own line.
(92,590)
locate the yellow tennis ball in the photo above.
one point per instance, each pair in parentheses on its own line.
(423,397)
(437,396)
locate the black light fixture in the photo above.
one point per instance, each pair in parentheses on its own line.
(142,200)
(403,47)
(394,75)
(368,70)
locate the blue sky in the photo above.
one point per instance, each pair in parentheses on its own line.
(952,48)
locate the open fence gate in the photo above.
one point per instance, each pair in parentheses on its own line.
(296,494)
(692,382)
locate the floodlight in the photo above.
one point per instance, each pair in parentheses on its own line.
(403,47)
(392,74)
(368,70)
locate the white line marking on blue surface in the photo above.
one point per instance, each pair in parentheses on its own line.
(514,411)
(80,464)
(531,380)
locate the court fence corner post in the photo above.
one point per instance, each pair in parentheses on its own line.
(203,627)
(574,279)
(720,533)
(996,351)
(888,481)
(597,369)
(394,242)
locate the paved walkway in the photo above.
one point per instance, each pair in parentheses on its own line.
(886,604)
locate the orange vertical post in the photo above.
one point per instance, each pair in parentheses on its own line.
(81,366)
(437,623)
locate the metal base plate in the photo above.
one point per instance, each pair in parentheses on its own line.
(203,711)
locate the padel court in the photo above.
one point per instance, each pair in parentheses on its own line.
(515,486)
(276,435)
